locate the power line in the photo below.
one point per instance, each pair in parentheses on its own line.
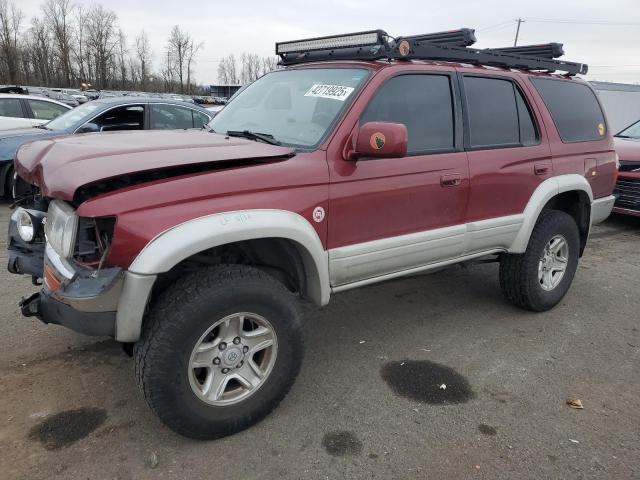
(583,22)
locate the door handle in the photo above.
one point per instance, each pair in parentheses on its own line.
(451,180)
(542,168)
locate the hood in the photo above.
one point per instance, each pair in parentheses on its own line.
(628,149)
(11,140)
(60,166)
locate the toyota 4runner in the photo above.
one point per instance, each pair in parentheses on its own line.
(364,159)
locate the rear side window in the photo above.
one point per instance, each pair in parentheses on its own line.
(423,104)
(498,114)
(10,107)
(574,109)
(43,110)
(170,117)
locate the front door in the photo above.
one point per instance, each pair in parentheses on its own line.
(390,215)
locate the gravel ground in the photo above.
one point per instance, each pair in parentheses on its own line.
(367,402)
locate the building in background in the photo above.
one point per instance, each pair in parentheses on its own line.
(621,103)
(226,91)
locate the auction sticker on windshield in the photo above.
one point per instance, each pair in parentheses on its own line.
(337,92)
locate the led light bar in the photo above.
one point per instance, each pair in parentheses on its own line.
(359,39)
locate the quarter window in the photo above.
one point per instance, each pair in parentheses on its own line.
(574,109)
(498,114)
(423,104)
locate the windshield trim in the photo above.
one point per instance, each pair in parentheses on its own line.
(619,134)
(338,118)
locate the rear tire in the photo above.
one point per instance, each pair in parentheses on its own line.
(533,280)
(180,334)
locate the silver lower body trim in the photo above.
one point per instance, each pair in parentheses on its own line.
(413,271)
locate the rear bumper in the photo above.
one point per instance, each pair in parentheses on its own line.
(601,209)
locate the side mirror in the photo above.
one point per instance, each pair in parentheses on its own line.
(379,140)
(88,128)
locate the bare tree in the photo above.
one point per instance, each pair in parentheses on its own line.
(269,64)
(177,47)
(101,43)
(228,70)
(192,51)
(143,53)
(10,21)
(122,58)
(79,45)
(58,15)
(38,51)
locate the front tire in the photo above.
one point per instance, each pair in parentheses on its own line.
(219,350)
(539,278)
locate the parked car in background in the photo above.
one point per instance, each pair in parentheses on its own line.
(91,94)
(628,185)
(98,116)
(63,97)
(19,111)
(13,89)
(77,94)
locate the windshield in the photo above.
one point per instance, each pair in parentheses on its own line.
(72,117)
(297,107)
(632,131)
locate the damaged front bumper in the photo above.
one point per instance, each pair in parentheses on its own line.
(83,300)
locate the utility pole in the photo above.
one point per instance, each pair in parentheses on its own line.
(515,42)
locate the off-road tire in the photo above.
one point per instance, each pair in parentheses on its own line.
(519,273)
(176,321)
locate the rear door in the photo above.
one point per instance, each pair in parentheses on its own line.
(393,214)
(508,157)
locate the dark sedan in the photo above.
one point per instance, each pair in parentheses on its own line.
(107,114)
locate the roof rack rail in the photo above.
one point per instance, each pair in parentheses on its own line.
(446,46)
(547,50)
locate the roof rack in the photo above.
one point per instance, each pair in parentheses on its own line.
(448,46)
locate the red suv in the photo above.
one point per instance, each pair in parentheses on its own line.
(367,158)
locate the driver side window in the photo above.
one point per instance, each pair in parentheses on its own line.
(127,117)
(423,104)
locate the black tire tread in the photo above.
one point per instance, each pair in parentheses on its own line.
(515,281)
(162,316)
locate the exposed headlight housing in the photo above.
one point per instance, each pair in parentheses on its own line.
(61,228)
(25,225)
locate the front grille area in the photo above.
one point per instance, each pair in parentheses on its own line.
(627,193)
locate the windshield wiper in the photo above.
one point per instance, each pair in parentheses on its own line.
(265,137)
(41,126)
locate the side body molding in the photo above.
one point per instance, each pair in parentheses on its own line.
(180,242)
(541,196)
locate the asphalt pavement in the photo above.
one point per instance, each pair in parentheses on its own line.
(369,401)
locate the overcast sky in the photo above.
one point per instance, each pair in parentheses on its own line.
(603,33)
